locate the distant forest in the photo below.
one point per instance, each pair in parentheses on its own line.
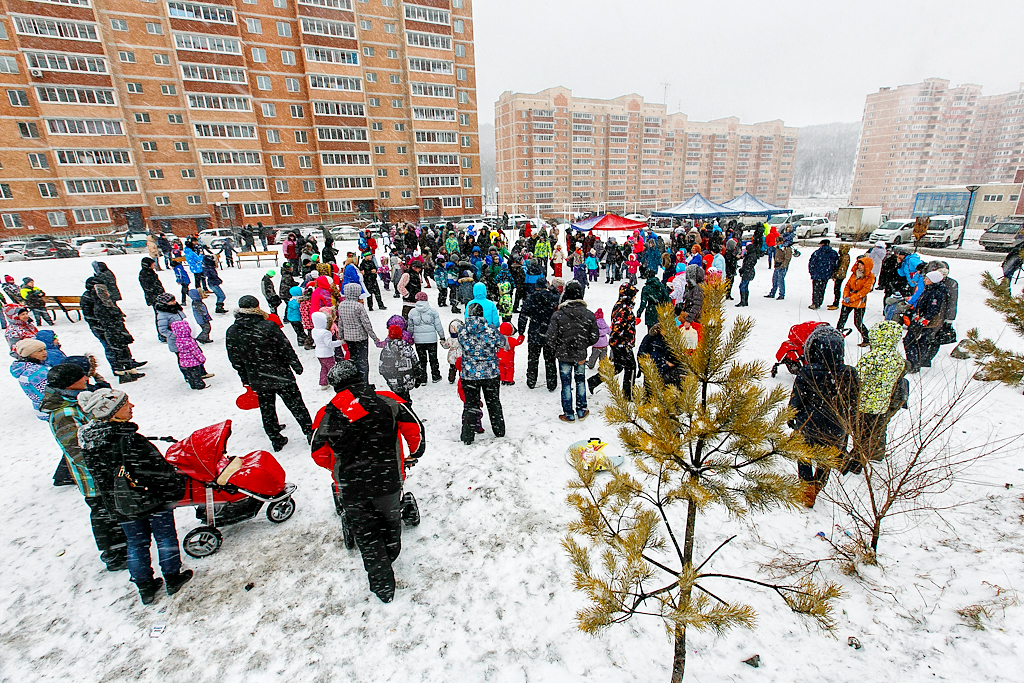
(825,157)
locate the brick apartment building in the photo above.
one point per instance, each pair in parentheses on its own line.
(132,113)
(930,134)
(558,154)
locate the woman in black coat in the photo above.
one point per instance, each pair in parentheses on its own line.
(106,321)
(137,486)
(152,287)
(104,273)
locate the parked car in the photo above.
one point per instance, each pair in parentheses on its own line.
(811,226)
(49,248)
(10,254)
(636,217)
(782,220)
(214,237)
(896,231)
(1002,235)
(96,248)
(17,245)
(349,233)
(944,230)
(77,242)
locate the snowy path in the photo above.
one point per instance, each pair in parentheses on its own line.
(484,586)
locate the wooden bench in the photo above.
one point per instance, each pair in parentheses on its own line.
(66,304)
(256,256)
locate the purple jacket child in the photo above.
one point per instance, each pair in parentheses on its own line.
(190,357)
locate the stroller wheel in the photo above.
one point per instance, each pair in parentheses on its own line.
(202,541)
(281,510)
(346,532)
(410,510)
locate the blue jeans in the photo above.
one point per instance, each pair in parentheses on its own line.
(219,292)
(779,281)
(161,527)
(744,286)
(567,371)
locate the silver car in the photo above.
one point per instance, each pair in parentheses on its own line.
(1001,236)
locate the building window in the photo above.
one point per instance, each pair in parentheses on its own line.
(155,29)
(396,104)
(47,190)
(175,118)
(168,90)
(460,50)
(460,74)
(178,146)
(126,56)
(376,125)
(142,117)
(365,25)
(374,101)
(11,220)
(194,199)
(277,161)
(161,59)
(280,4)
(309,186)
(464,140)
(288,57)
(285,209)
(378,149)
(253,26)
(392,54)
(467,162)
(119,24)
(404,172)
(260,209)
(281,186)
(284,29)
(291,84)
(406,194)
(156,173)
(463,97)
(259,55)
(385,194)
(468,203)
(463,119)
(305,161)
(273,136)
(56,219)
(269,110)
(188,173)
(371,78)
(312,209)
(467,182)
(263,82)
(18,98)
(296,111)
(400,127)
(134,88)
(301,137)
(367,51)
(395,79)
(382,173)
(459,26)
(163,201)
(401,149)
(389,28)
(38,160)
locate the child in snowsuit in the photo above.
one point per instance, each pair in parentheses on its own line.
(454,349)
(593,266)
(466,283)
(270,292)
(33,298)
(293,315)
(190,356)
(462,394)
(507,357)
(202,315)
(505,301)
(182,278)
(600,349)
(305,317)
(632,265)
(325,345)
(399,363)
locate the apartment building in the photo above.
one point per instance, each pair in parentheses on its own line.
(992,202)
(932,135)
(132,113)
(558,154)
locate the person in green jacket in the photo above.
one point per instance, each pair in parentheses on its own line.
(880,370)
(652,295)
(542,251)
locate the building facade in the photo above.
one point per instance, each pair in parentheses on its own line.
(131,113)
(992,202)
(559,154)
(932,135)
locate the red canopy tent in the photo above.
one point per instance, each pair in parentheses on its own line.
(610,222)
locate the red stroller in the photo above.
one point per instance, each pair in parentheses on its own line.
(226,489)
(791,353)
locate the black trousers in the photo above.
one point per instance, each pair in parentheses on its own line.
(837,290)
(428,352)
(532,365)
(107,532)
(858,320)
(818,292)
(62,475)
(520,293)
(490,390)
(300,333)
(625,362)
(376,524)
(292,398)
(375,292)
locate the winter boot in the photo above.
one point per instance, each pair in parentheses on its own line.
(220,308)
(176,581)
(278,442)
(148,589)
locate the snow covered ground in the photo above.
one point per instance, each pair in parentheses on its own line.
(484,587)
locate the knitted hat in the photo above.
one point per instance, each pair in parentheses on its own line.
(248,301)
(64,375)
(933,277)
(394,332)
(165,298)
(271,273)
(599,313)
(26,347)
(101,404)
(26,280)
(421,296)
(506,329)
(343,374)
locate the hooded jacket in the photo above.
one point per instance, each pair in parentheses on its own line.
(858,288)
(652,295)
(490,310)
(573,330)
(292,313)
(825,392)
(54,356)
(623,322)
(322,295)
(189,353)
(693,298)
(107,277)
(823,262)
(165,315)
(104,317)
(322,337)
(843,263)
(480,343)
(31,376)
(880,368)
(260,353)
(353,320)
(425,323)
(66,417)
(150,282)
(536,314)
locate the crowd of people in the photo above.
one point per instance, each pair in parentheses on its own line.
(500,295)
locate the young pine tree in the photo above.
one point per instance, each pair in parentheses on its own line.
(718,438)
(998,365)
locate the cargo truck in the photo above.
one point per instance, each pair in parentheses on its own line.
(858,222)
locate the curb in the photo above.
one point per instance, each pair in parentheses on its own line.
(948,253)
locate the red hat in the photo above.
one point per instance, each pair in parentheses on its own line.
(506,329)
(323,282)
(394,332)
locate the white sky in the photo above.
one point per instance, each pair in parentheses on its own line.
(803,61)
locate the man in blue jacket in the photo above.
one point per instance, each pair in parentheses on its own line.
(490,311)
(821,265)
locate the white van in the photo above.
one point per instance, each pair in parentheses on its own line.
(944,230)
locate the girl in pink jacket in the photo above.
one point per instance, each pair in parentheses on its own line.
(190,357)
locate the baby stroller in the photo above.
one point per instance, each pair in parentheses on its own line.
(226,489)
(791,352)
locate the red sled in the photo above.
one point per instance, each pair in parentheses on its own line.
(792,351)
(226,489)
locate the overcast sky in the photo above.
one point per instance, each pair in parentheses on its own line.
(802,61)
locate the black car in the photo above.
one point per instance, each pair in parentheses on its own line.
(40,249)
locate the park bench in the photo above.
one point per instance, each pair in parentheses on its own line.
(66,304)
(256,256)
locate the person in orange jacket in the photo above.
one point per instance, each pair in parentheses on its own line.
(507,357)
(855,296)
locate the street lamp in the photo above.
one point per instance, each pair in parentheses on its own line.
(227,196)
(967,219)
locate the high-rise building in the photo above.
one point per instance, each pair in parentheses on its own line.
(122,112)
(930,134)
(558,154)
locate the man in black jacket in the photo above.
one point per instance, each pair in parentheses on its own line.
(570,334)
(151,287)
(536,313)
(264,360)
(106,321)
(361,432)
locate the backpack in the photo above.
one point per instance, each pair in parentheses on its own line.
(180,275)
(393,363)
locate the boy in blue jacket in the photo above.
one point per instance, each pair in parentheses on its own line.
(202,315)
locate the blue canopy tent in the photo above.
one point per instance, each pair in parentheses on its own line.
(749,205)
(696,207)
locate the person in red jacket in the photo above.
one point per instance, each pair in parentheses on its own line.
(321,295)
(359,436)
(507,357)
